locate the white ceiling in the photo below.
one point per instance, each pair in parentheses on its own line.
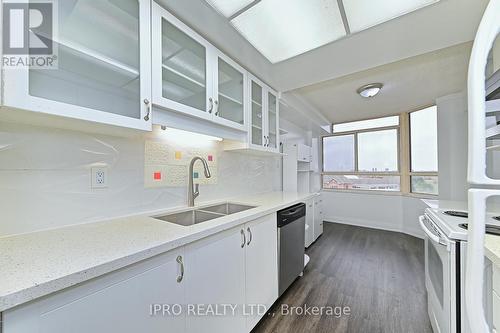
(408,85)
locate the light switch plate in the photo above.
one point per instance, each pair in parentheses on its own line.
(99,177)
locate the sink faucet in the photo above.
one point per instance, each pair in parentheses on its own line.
(193,189)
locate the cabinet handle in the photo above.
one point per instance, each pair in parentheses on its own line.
(243,238)
(211,105)
(216,102)
(249,235)
(148,104)
(181,263)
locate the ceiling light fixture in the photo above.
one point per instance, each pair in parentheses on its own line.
(370,90)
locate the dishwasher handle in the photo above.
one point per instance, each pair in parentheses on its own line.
(291,214)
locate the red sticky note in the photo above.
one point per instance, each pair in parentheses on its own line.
(157,176)
(210,158)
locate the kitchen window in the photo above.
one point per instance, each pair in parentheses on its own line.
(389,154)
(363,155)
(424,151)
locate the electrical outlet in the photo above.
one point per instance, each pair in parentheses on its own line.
(99,177)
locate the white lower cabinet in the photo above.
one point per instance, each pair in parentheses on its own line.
(118,302)
(261,267)
(309,236)
(215,275)
(236,267)
(318,217)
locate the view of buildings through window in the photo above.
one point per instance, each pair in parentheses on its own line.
(366,155)
(424,151)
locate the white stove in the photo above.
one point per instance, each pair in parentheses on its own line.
(445,225)
(453,227)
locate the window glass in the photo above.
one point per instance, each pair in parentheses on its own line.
(378,151)
(338,153)
(424,184)
(424,151)
(366,124)
(362,182)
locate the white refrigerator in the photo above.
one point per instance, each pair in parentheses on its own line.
(483,186)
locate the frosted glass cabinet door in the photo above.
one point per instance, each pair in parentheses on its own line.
(230,106)
(257,115)
(103,72)
(181,73)
(273,121)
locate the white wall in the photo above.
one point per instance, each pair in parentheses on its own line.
(45,178)
(452,147)
(387,212)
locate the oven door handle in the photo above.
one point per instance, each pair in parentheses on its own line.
(429,233)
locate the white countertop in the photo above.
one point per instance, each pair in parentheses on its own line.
(446,204)
(40,263)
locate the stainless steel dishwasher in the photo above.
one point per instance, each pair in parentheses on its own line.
(291,233)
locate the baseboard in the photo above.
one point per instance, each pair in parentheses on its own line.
(373,225)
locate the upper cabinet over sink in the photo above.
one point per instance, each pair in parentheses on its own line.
(104,70)
(132,64)
(192,77)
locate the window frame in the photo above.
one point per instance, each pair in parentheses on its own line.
(404,158)
(412,173)
(397,173)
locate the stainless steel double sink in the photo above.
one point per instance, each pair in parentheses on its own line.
(194,216)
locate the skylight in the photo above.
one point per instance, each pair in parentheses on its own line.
(363,14)
(280,32)
(229,7)
(282,29)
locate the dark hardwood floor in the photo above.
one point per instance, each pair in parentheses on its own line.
(378,274)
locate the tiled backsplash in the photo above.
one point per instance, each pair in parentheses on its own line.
(45,177)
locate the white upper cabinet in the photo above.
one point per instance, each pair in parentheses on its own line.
(182,77)
(192,77)
(273,127)
(104,71)
(230,92)
(263,129)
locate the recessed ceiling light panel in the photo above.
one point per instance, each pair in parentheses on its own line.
(363,14)
(281,29)
(370,90)
(229,7)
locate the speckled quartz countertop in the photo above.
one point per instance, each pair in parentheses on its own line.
(40,263)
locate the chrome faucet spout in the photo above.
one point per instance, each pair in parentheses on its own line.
(193,189)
